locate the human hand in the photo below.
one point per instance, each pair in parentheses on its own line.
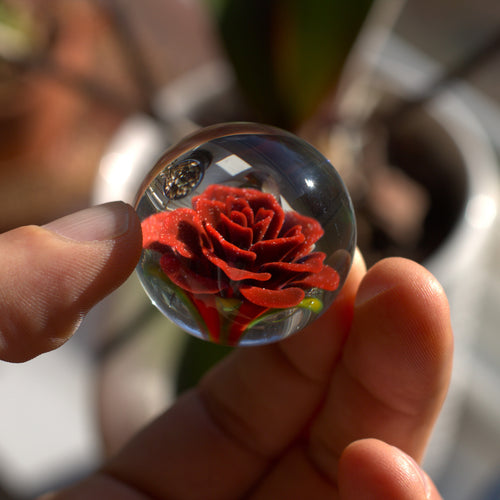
(323,414)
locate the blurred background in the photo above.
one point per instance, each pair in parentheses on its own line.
(402,96)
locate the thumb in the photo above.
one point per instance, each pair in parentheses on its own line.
(52,275)
(370,469)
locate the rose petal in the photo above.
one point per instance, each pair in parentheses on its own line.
(292,232)
(312,263)
(277,217)
(277,249)
(151,229)
(235,233)
(180,230)
(313,259)
(234,273)
(281,299)
(208,210)
(219,192)
(260,227)
(310,228)
(296,273)
(250,216)
(258,199)
(226,250)
(181,273)
(236,203)
(239,218)
(327,279)
(265,204)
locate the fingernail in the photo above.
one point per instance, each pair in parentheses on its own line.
(99,223)
(417,470)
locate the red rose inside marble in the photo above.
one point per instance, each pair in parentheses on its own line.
(238,246)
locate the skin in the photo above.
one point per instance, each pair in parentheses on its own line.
(334,412)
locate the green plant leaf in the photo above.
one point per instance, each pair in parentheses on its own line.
(288,55)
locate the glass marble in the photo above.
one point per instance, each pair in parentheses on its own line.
(248,234)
